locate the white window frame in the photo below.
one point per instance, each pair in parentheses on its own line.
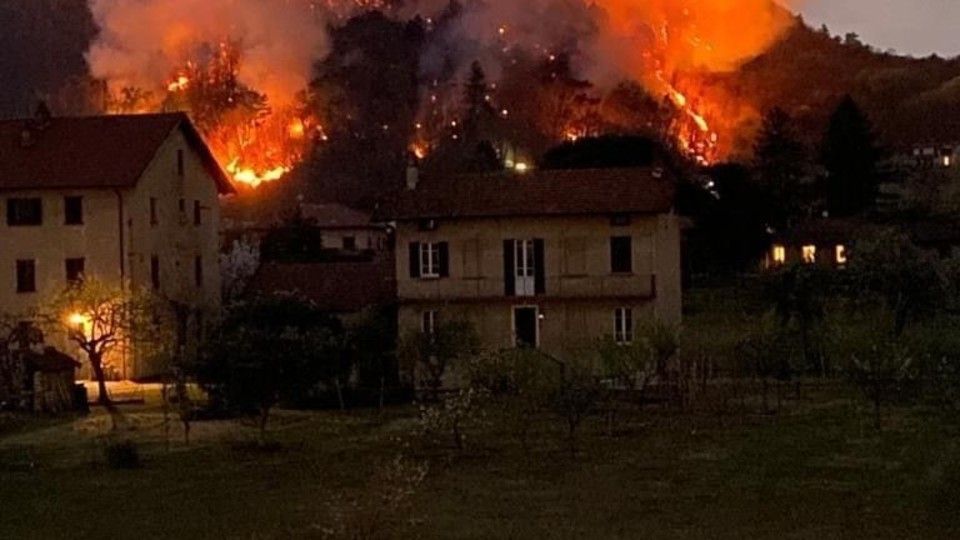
(525,270)
(430,260)
(623,325)
(428,322)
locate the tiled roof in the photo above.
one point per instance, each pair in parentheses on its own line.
(335,216)
(95,152)
(536,193)
(338,287)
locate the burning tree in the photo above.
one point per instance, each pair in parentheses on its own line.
(101,319)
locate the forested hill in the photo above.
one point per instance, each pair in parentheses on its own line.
(908,99)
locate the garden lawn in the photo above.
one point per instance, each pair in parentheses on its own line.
(817,470)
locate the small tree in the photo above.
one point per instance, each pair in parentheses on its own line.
(798,294)
(578,394)
(101,318)
(881,372)
(432,353)
(909,282)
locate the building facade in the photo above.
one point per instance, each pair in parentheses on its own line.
(547,259)
(131,200)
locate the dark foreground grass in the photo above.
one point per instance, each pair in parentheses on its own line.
(815,471)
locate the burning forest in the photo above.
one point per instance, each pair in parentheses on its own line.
(247,73)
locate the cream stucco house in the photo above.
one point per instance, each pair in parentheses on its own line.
(551,259)
(129,199)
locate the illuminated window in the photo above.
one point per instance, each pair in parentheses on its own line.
(841,254)
(809,254)
(779,254)
(947,161)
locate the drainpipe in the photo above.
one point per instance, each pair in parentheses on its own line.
(122,240)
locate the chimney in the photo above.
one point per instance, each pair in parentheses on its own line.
(413,176)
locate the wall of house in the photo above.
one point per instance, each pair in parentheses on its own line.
(51,243)
(175,240)
(365,238)
(581,291)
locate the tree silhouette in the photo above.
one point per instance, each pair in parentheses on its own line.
(850,155)
(781,165)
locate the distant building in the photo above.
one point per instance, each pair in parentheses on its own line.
(825,241)
(129,199)
(547,259)
(345,228)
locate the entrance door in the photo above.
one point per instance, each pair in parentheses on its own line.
(525,327)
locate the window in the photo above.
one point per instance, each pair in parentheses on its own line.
(429,260)
(197,213)
(24,212)
(154,215)
(349,243)
(841,253)
(623,326)
(155,272)
(73,210)
(428,322)
(779,255)
(75,269)
(621,254)
(809,254)
(26,276)
(180,166)
(620,220)
(525,268)
(198,271)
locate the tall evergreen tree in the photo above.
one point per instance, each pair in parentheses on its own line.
(850,154)
(476,103)
(781,165)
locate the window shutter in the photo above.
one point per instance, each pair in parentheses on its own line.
(509,268)
(415,260)
(539,268)
(444,259)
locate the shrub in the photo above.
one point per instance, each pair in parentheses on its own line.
(122,455)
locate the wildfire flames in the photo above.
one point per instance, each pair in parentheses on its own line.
(238,66)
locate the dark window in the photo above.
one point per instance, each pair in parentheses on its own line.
(197,213)
(180,167)
(22,212)
(154,217)
(73,210)
(428,224)
(620,220)
(75,269)
(155,272)
(621,254)
(198,271)
(26,276)
(349,243)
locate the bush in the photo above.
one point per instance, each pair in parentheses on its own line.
(122,455)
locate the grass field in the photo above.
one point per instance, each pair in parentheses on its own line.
(817,470)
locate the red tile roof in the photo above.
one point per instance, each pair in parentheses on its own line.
(536,193)
(96,152)
(339,287)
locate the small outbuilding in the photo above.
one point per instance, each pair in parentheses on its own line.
(53,377)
